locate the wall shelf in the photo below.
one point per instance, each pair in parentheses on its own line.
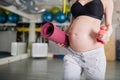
(16,11)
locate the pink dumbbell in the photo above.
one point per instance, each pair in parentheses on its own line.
(101,33)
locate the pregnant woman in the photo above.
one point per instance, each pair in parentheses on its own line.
(85,54)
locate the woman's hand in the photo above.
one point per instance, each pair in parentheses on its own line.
(60,45)
(104,34)
(103,38)
(67,43)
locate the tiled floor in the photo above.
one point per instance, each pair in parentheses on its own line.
(46,69)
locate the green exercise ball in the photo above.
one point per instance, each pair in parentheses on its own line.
(7,12)
(55,10)
(2,10)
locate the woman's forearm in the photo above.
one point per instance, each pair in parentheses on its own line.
(109,30)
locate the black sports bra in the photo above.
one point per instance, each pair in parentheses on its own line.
(93,9)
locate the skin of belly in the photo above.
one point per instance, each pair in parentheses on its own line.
(83,33)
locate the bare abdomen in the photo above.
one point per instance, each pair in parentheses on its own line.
(83,33)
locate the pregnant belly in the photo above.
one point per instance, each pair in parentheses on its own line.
(82,34)
(82,43)
(83,39)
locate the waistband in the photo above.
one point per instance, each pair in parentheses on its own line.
(87,53)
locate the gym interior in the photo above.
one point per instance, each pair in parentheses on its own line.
(26,55)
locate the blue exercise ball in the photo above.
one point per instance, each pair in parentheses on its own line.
(60,17)
(3,18)
(69,16)
(47,16)
(13,18)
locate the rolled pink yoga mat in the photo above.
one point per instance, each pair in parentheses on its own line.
(52,32)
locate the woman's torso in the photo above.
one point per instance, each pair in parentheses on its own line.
(83,33)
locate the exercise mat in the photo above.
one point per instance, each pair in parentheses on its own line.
(54,33)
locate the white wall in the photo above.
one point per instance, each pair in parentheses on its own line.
(116,19)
